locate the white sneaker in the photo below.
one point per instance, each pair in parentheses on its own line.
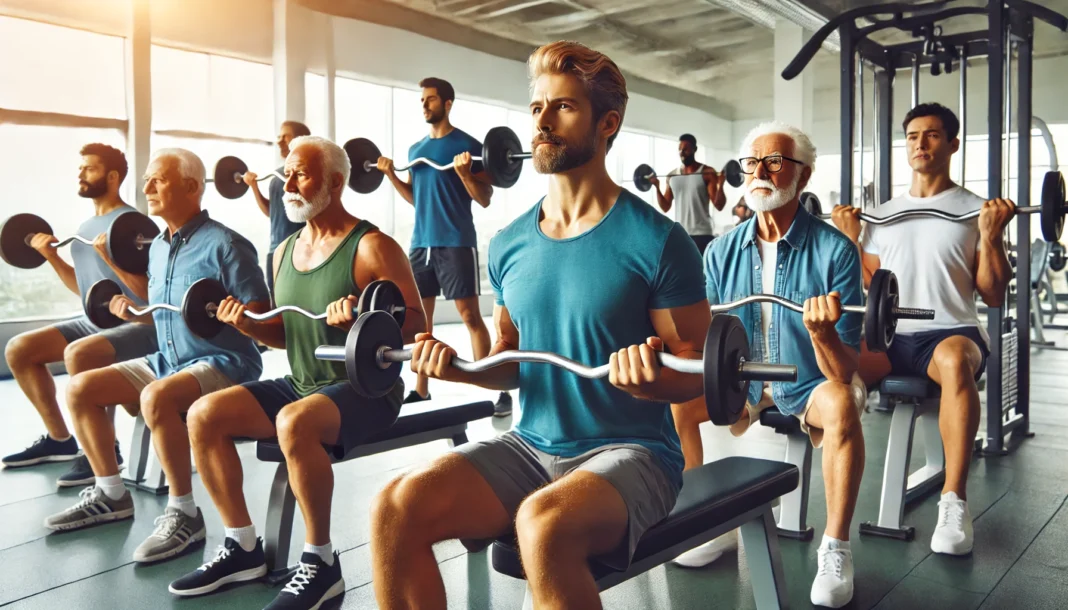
(709,551)
(953,534)
(833,586)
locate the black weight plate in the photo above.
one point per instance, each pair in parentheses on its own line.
(1053,201)
(879,322)
(733,170)
(123,248)
(195,303)
(13,247)
(388,298)
(228,177)
(500,143)
(363,156)
(364,304)
(641,177)
(811,203)
(98,304)
(1057,258)
(372,331)
(726,346)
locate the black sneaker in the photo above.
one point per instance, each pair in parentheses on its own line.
(230,564)
(503,406)
(81,473)
(414,396)
(44,449)
(313,585)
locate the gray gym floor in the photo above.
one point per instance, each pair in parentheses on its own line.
(1018,503)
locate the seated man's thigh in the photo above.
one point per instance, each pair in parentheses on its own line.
(233,412)
(834,405)
(106,386)
(313,417)
(956,354)
(357,417)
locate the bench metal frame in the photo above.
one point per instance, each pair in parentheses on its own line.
(144,470)
(281,502)
(793,507)
(899,486)
(761,550)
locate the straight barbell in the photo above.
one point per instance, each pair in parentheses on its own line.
(644,172)
(880,314)
(128,238)
(374,350)
(502,159)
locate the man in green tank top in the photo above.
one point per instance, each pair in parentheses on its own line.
(322,267)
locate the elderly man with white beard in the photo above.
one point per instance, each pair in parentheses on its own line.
(784,250)
(322,267)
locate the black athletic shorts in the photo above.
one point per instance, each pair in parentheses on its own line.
(702,242)
(360,417)
(452,271)
(910,354)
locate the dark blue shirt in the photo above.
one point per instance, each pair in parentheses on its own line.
(203,248)
(585,298)
(812,259)
(442,204)
(281,226)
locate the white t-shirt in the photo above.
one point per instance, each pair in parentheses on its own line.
(934,259)
(769,252)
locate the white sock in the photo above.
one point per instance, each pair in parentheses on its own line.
(834,543)
(326,552)
(184,503)
(60,440)
(112,486)
(244,536)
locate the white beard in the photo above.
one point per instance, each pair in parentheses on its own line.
(774,201)
(299,209)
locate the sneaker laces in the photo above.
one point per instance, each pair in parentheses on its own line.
(831,561)
(221,553)
(88,497)
(166,524)
(951,513)
(37,443)
(305,573)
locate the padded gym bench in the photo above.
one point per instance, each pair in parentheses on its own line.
(735,492)
(418,423)
(912,399)
(793,509)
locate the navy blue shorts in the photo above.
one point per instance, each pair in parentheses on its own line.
(910,354)
(360,417)
(449,271)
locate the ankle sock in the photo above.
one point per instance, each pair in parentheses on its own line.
(325,552)
(244,536)
(112,486)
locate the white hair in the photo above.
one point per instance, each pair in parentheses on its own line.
(804,150)
(335,160)
(190,167)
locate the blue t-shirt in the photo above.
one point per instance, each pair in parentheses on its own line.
(89,268)
(442,203)
(281,226)
(585,298)
(203,248)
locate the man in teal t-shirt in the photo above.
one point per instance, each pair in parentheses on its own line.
(596,275)
(444,248)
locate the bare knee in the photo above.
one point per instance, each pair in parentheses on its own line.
(77,389)
(839,415)
(541,523)
(205,420)
(79,356)
(689,415)
(153,405)
(470,315)
(404,507)
(19,352)
(295,427)
(955,366)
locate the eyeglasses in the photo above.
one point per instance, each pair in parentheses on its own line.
(772,163)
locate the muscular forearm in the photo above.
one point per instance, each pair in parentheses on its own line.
(479,191)
(836,360)
(402,187)
(65,272)
(138,284)
(994,271)
(269,332)
(501,378)
(673,386)
(662,200)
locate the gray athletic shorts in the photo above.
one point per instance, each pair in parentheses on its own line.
(129,340)
(514,470)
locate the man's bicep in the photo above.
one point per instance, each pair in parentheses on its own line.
(682,329)
(507,333)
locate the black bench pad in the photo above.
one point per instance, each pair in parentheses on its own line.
(414,418)
(912,387)
(712,494)
(782,423)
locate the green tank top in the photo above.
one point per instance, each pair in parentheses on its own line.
(313,290)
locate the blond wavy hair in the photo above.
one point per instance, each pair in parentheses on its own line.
(604,83)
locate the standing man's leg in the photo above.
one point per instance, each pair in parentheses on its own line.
(422,384)
(28,356)
(426,280)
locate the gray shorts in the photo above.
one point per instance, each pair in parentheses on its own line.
(514,470)
(129,340)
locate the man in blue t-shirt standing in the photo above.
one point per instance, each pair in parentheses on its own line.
(594,274)
(444,249)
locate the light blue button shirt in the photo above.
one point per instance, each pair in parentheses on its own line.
(813,259)
(203,248)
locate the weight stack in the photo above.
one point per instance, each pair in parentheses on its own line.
(1010,350)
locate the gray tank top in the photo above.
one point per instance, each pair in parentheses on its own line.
(691,201)
(89,268)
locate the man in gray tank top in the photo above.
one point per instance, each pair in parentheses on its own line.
(693,185)
(76,342)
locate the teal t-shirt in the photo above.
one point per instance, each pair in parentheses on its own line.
(442,204)
(585,298)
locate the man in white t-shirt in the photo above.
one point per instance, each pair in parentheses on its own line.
(940,265)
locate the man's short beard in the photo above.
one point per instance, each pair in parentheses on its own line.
(436,117)
(563,156)
(777,199)
(92,190)
(306,210)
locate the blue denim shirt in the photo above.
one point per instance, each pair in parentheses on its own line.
(203,248)
(813,259)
